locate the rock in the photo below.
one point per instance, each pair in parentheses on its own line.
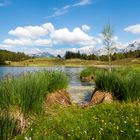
(99,97)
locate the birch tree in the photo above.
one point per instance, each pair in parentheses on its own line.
(108,42)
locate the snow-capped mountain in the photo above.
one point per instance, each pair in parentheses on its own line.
(135,45)
(42,55)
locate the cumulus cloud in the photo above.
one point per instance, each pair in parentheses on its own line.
(47,36)
(135,29)
(5,46)
(43,42)
(77,36)
(85,28)
(27,42)
(32,31)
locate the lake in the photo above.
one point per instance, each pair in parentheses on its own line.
(80,92)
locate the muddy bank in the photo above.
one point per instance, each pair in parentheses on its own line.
(60,97)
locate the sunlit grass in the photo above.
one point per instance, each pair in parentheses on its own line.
(8,127)
(123,84)
(105,121)
(25,96)
(29,91)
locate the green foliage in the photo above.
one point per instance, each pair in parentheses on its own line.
(28,92)
(88,72)
(115,56)
(102,122)
(123,84)
(110,82)
(12,56)
(132,87)
(70,55)
(58,81)
(7,127)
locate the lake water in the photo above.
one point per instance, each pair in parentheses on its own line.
(80,92)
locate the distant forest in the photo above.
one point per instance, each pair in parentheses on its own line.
(19,56)
(12,56)
(115,56)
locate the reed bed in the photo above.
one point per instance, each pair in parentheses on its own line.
(26,95)
(123,84)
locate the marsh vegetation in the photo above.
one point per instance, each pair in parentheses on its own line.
(25,116)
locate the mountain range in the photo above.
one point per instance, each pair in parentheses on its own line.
(42,55)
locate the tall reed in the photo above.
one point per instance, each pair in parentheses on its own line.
(28,92)
(124,85)
(8,127)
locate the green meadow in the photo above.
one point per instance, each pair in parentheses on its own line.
(25,116)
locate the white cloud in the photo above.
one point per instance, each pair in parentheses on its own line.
(43,42)
(13,42)
(27,42)
(46,36)
(5,46)
(83,2)
(135,29)
(65,9)
(32,31)
(77,36)
(60,11)
(85,28)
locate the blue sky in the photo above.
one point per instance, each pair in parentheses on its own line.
(58,25)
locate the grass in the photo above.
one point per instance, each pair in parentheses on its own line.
(56,62)
(28,92)
(123,84)
(8,127)
(88,72)
(26,95)
(109,82)
(74,62)
(102,122)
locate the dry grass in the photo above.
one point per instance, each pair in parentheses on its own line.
(57,62)
(75,62)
